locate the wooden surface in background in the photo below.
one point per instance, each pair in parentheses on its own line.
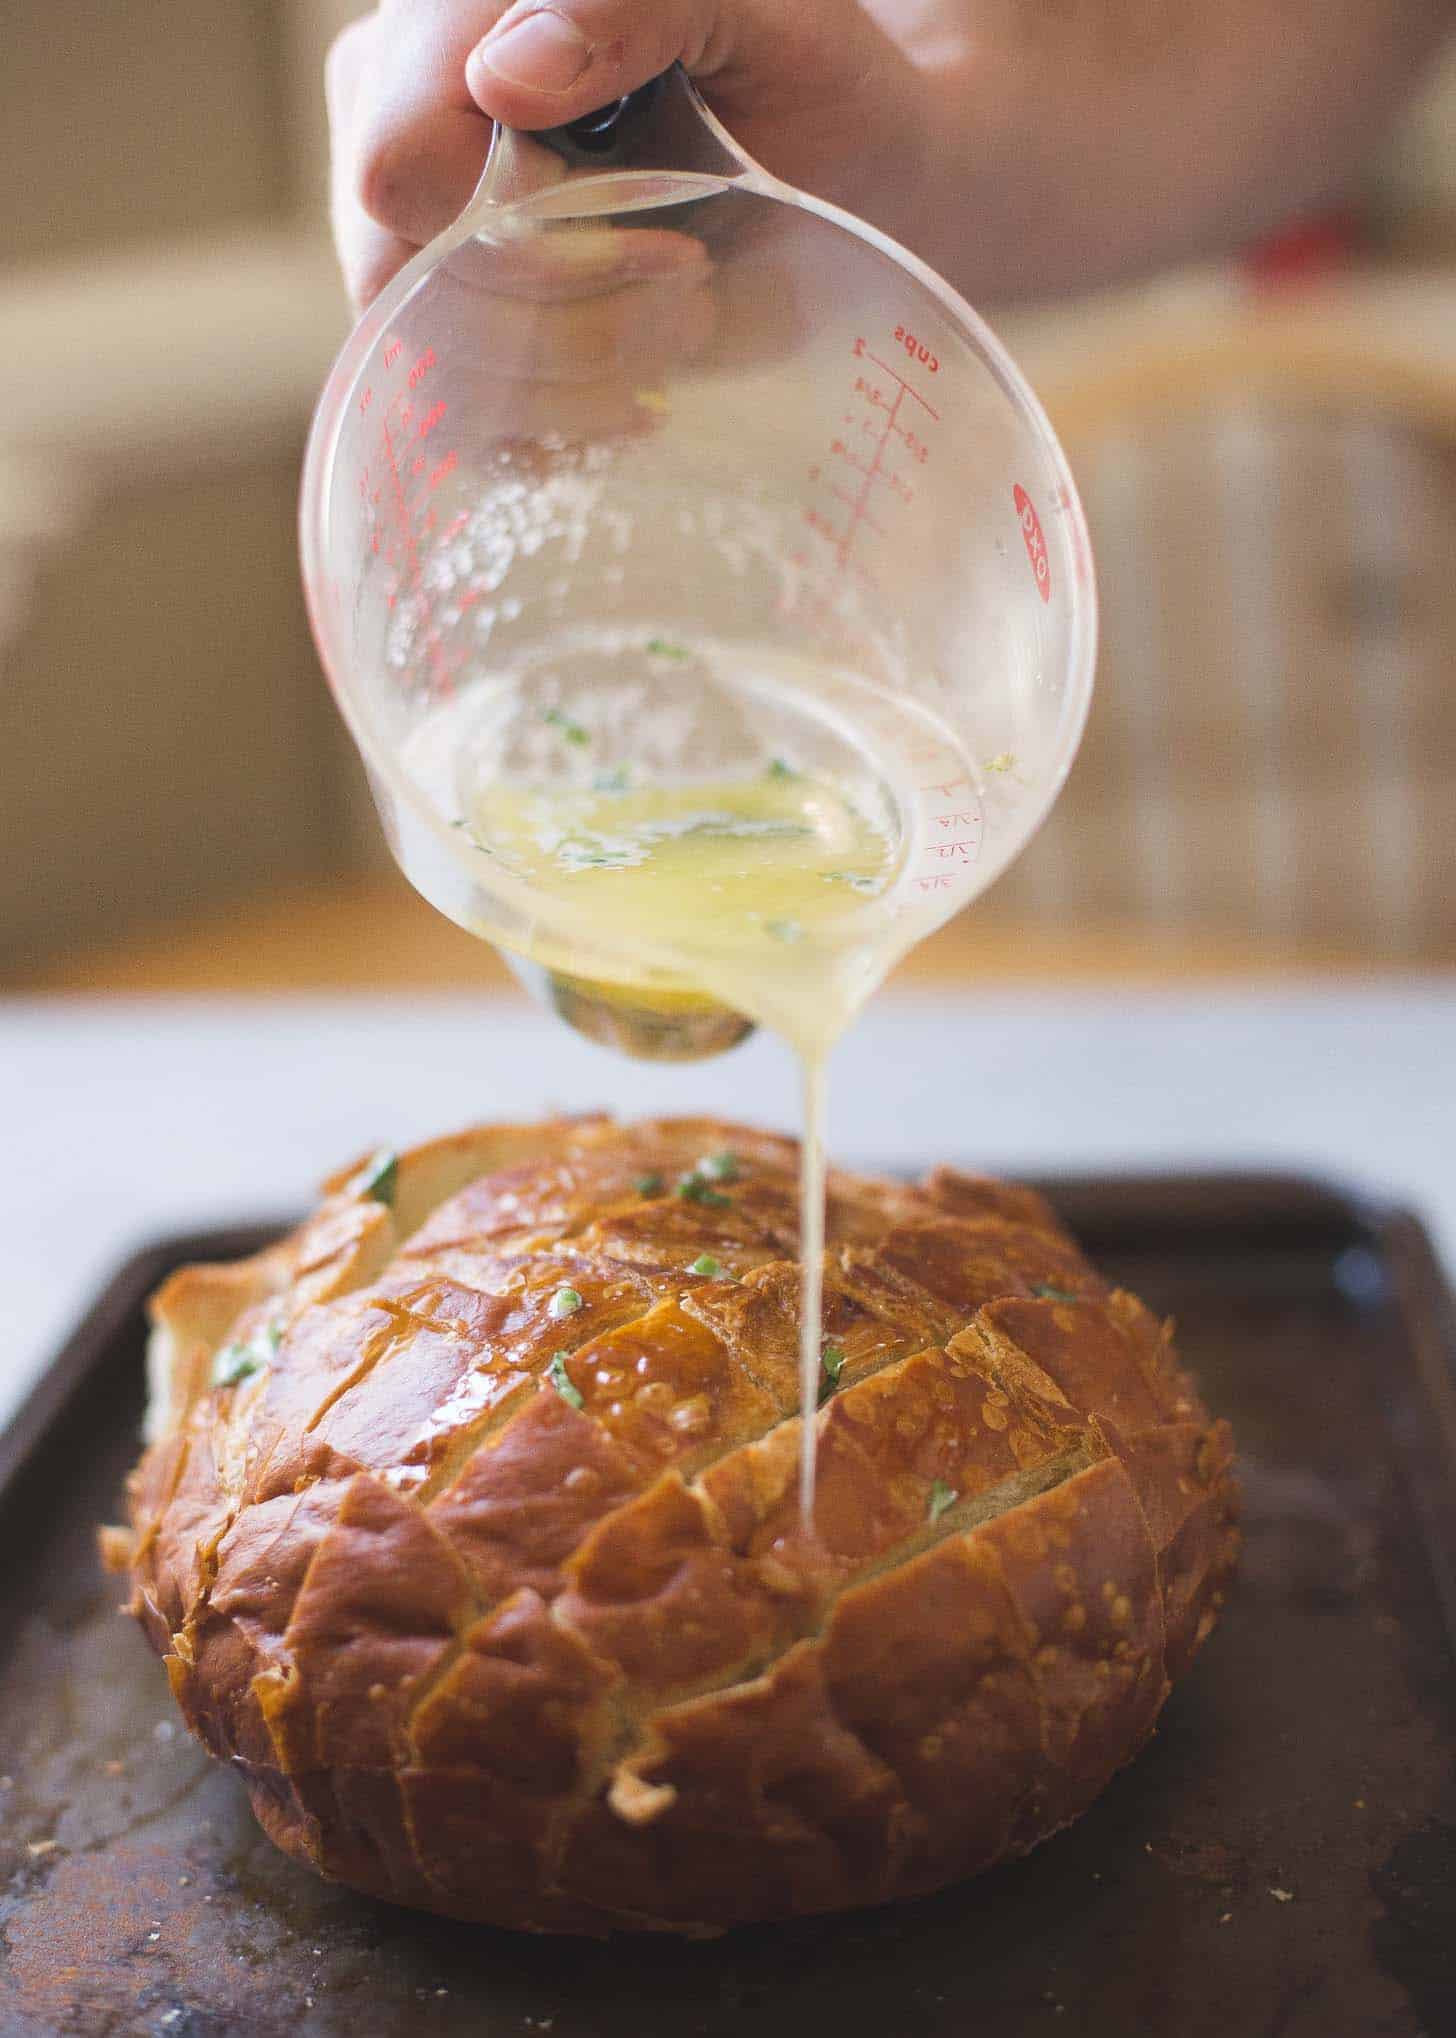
(375,934)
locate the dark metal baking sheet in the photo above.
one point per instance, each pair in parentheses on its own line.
(1280,1863)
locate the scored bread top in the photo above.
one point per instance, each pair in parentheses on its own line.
(485,1562)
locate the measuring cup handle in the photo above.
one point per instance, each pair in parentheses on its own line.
(663,125)
(607,129)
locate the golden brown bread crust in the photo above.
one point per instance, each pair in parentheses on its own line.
(560,1655)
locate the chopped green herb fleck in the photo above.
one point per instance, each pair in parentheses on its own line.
(856,881)
(706,1265)
(649,1185)
(579,856)
(481,848)
(239,1361)
(784,930)
(1047,1291)
(941,1497)
(778,768)
(459,822)
(659,647)
(831,1360)
(571,730)
(693,1189)
(565,1302)
(614,781)
(719,1167)
(1002,765)
(233,1363)
(561,1380)
(379,1176)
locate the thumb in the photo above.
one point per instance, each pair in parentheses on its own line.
(550,61)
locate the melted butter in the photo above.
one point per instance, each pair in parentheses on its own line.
(764,894)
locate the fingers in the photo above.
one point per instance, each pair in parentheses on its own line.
(408,141)
(549,61)
(369,254)
(815,89)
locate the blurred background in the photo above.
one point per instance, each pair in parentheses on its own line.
(1267,448)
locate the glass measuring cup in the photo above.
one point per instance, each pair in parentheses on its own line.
(651,465)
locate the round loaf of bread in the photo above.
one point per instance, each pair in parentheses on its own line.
(469,1530)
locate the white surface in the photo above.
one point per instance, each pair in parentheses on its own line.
(120,1121)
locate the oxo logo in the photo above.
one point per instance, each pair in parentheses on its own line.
(1034,541)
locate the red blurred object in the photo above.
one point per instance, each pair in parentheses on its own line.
(1308,252)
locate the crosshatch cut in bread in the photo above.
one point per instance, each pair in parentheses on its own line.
(468,1530)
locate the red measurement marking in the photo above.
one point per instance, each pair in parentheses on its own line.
(857,511)
(401,506)
(839,543)
(422,368)
(430,419)
(908,387)
(838,446)
(917,349)
(887,399)
(392,351)
(1032,538)
(365,400)
(946,862)
(948,788)
(858,514)
(414,575)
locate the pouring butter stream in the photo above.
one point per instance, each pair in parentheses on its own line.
(709,837)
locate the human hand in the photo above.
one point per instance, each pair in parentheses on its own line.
(817,92)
